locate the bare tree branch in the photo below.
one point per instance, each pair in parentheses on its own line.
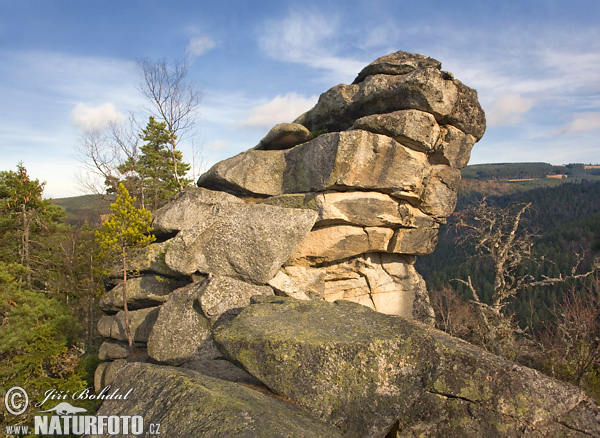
(172,98)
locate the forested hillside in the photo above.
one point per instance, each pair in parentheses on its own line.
(529,171)
(565,220)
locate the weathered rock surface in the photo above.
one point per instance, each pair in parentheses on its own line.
(220,294)
(397,63)
(112,349)
(344,160)
(439,197)
(140,322)
(189,207)
(453,147)
(245,241)
(365,372)
(387,283)
(369,209)
(416,129)
(180,332)
(142,292)
(284,136)
(425,89)
(232,175)
(189,404)
(150,259)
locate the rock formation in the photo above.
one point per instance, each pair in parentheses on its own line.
(334,206)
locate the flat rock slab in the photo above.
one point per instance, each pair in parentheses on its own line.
(353,159)
(365,372)
(140,324)
(189,207)
(244,241)
(142,292)
(189,404)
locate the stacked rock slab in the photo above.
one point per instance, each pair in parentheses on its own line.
(335,206)
(215,252)
(381,172)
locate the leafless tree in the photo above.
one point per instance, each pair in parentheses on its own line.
(172,99)
(454,315)
(573,342)
(104,152)
(496,233)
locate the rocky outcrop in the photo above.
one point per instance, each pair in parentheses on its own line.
(334,207)
(390,372)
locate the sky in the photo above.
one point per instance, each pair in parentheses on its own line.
(67,66)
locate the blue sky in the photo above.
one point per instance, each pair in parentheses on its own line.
(69,65)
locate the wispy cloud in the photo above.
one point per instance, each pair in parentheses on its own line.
(89,118)
(278,110)
(582,122)
(509,109)
(311,39)
(199,45)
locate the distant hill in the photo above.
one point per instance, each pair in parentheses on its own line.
(84,208)
(522,172)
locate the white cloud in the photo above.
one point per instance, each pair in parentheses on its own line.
(90,118)
(308,38)
(199,45)
(218,145)
(582,122)
(279,110)
(509,109)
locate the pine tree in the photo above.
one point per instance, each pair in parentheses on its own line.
(152,175)
(22,207)
(126,229)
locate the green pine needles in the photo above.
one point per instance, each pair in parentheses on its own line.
(127,229)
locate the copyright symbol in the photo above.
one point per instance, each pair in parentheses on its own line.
(16,400)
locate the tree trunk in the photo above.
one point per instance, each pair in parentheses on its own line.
(127,325)
(25,245)
(173,147)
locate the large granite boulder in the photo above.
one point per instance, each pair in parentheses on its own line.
(189,207)
(369,373)
(245,241)
(336,206)
(358,159)
(388,85)
(188,404)
(182,332)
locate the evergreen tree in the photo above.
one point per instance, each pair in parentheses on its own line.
(38,342)
(22,209)
(126,229)
(155,179)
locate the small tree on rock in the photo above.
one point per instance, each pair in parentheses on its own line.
(127,228)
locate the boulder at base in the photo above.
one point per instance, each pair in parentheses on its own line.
(370,373)
(189,404)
